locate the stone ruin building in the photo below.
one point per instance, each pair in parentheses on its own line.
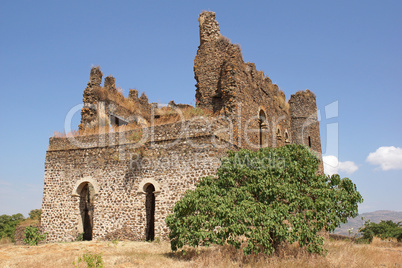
(122,184)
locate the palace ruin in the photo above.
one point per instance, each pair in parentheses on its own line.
(122,184)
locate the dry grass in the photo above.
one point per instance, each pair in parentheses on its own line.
(167,116)
(97,130)
(5,241)
(390,242)
(143,254)
(28,222)
(118,98)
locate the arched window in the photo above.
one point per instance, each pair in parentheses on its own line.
(87,209)
(263,125)
(286,136)
(278,132)
(150,212)
(86,189)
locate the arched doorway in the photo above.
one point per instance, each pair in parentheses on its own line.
(150,212)
(87,210)
(262,120)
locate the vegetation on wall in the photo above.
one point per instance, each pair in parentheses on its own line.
(117,97)
(261,199)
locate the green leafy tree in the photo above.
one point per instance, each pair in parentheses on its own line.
(262,198)
(35,214)
(384,230)
(8,225)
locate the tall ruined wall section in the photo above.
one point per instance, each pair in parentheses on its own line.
(89,114)
(228,86)
(304,121)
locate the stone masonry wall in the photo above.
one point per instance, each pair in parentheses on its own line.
(121,199)
(120,174)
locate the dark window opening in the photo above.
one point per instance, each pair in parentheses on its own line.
(262,124)
(150,213)
(217,103)
(286,136)
(116,121)
(309,141)
(87,210)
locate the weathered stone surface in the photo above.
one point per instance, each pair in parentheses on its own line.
(121,172)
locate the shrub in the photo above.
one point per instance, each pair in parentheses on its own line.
(91,259)
(33,236)
(8,225)
(261,199)
(383,230)
(80,237)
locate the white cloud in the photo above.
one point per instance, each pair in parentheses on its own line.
(332,165)
(386,157)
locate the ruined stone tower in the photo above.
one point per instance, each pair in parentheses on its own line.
(133,160)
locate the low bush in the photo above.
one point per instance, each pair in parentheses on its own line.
(33,236)
(91,259)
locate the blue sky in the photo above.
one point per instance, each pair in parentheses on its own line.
(347,52)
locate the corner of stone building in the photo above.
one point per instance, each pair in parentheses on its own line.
(305,126)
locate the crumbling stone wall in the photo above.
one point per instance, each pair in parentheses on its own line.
(89,114)
(110,83)
(228,86)
(102,105)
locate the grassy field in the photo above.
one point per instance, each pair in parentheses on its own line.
(144,254)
